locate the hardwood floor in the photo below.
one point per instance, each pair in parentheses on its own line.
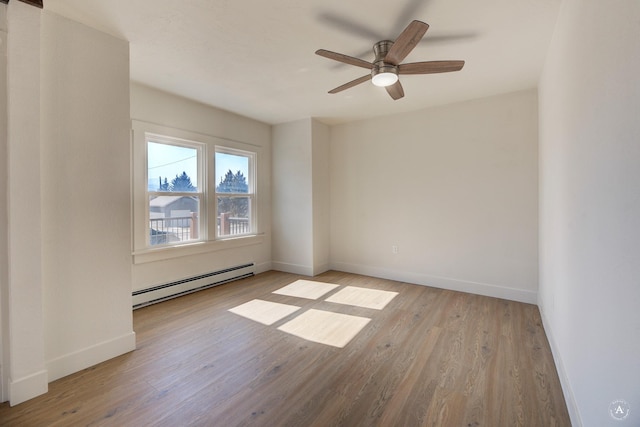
(431,357)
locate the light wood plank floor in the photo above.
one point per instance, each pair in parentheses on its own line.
(431,357)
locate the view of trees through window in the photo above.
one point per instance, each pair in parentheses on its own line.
(233,192)
(233,183)
(175,198)
(180,183)
(172,171)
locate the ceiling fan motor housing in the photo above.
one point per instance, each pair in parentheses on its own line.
(381,49)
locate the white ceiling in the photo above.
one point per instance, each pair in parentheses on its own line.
(256,57)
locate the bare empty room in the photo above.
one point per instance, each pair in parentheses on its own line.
(319,213)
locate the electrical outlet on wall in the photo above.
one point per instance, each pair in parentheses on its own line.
(394,249)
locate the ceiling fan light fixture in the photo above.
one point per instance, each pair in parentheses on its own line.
(384,79)
(384,75)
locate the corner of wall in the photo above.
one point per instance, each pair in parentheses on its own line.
(90,356)
(23,389)
(263,267)
(303,270)
(567,391)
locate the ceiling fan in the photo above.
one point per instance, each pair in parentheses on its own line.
(387,65)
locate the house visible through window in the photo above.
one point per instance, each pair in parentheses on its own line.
(191,189)
(175,191)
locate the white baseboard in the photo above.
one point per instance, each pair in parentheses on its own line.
(90,356)
(520,295)
(303,270)
(319,269)
(569,397)
(263,267)
(25,388)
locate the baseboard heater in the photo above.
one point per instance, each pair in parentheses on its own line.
(156,294)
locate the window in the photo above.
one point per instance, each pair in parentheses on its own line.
(174,196)
(192,193)
(234,191)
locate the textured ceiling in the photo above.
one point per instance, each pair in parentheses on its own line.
(256,58)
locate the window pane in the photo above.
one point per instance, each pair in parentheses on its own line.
(171,167)
(234,191)
(233,216)
(173,219)
(233,173)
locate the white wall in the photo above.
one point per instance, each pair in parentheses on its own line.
(320,171)
(27,375)
(590,206)
(4,260)
(161,108)
(453,187)
(86,211)
(68,285)
(300,197)
(292,197)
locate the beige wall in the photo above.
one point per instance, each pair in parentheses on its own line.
(300,197)
(321,172)
(590,206)
(4,260)
(453,187)
(292,197)
(25,373)
(68,287)
(86,211)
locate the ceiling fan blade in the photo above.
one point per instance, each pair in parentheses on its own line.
(395,90)
(361,54)
(449,38)
(406,41)
(350,26)
(340,57)
(432,39)
(352,83)
(430,67)
(410,10)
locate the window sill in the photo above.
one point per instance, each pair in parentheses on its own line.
(171,252)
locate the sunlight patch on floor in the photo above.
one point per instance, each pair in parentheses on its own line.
(320,326)
(306,289)
(264,312)
(362,297)
(325,327)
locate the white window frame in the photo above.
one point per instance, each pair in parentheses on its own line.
(142,251)
(202,186)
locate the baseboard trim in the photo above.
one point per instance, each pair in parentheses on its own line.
(286,267)
(485,289)
(28,387)
(569,397)
(319,269)
(90,356)
(263,267)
